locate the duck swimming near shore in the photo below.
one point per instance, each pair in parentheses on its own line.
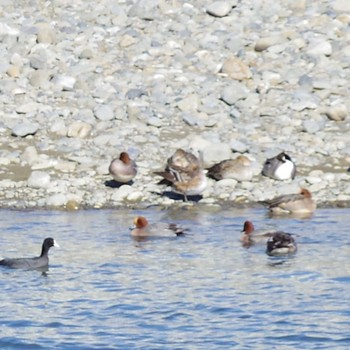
(281,243)
(142,228)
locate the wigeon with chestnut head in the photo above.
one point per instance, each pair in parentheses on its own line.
(144,229)
(300,203)
(251,236)
(123,169)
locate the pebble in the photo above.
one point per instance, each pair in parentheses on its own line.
(219,8)
(79,129)
(215,153)
(337,113)
(39,179)
(56,200)
(122,193)
(64,82)
(216,78)
(264,43)
(320,48)
(236,69)
(104,112)
(25,129)
(238,146)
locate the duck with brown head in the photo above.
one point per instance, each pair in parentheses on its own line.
(123,169)
(299,203)
(142,228)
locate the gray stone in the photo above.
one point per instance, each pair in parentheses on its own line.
(337,112)
(45,33)
(104,112)
(121,193)
(233,93)
(79,129)
(135,93)
(56,200)
(219,8)
(320,48)
(312,126)
(64,82)
(341,5)
(264,43)
(238,146)
(215,153)
(39,179)
(25,129)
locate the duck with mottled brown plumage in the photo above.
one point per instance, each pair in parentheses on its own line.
(185,174)
(239,169)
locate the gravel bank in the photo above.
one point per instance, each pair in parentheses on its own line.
(82,81)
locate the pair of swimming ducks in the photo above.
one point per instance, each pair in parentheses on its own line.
(277,243)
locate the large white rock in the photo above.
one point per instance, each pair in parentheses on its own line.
(39,179)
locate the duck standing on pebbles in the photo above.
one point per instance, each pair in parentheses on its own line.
(185,174)
(123,169)
(280,167)
(300,203)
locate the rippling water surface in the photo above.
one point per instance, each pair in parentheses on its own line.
(104,290)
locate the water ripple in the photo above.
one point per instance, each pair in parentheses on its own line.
(105,291)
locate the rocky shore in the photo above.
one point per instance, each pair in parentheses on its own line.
(82,81)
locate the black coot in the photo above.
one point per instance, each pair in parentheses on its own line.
(32,263)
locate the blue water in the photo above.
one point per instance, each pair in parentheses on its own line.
(104,290)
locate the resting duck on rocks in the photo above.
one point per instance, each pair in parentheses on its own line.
(280,167)
(123,169)
(300,203)
(185,174)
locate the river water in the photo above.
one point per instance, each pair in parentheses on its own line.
(104,290)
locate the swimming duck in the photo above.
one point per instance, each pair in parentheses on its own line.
(185,174)
(32,263)
(143,229)
(281,243)
(239,169)
(251,236)
(123,169)
(280,167)
(301,203)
